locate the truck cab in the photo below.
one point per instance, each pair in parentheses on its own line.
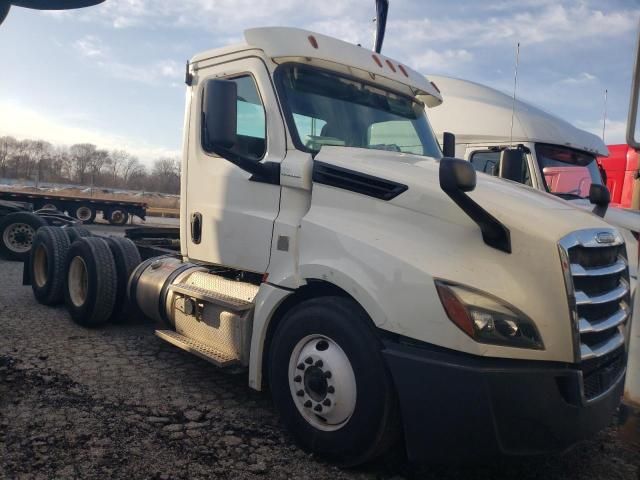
(559,158)
(622,169)
(381,292)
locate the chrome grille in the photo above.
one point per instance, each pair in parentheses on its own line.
(597,281)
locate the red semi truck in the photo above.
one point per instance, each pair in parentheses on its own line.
(623,175)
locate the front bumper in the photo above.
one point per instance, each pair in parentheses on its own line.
(455,405)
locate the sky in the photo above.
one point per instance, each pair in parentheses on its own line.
(113,75)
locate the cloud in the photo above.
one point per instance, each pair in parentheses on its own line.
(88,47)
(434,61)
(583,77)
(21,122)
(552,23)
(615,131)
(155,73)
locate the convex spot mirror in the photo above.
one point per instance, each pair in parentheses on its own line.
(219,109)
(456,174)
(511,164)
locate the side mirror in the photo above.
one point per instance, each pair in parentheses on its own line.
(219,109)
(599,195)
(448,144)
(512,164)
(457,175)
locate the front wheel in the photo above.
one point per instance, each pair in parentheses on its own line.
(330,383)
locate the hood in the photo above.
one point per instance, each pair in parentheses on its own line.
(520,208)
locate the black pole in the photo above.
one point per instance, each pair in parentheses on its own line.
(382,7)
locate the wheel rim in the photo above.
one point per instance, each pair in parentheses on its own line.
(322,382)
(117,216)
(40,266)
(78,280)
(18,237)
(83,213)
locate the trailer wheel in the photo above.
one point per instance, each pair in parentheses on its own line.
(127,258)
(47,265)
(17,231)
(74,233)
(117,216)
(48,206)
(90,282)
(84,213)
(329,381)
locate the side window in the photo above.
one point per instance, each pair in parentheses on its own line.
(251,120)
(486,161)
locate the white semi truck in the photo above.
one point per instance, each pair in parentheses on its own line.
(558,157)
(379,290)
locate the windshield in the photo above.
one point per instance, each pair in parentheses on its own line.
(567,172)
(326,108)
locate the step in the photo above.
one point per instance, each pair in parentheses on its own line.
(206,352)
(228,303)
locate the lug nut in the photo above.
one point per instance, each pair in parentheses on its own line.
(327,374)
(297,378)
(318,408)
(319,364)
(330,389)
(308,360)
(326,402)
(307,404)
(300,393)
(300,366)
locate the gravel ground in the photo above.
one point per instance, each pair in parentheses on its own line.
(117,402)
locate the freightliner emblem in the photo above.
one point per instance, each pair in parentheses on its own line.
(605,237)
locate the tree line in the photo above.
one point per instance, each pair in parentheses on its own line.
(85,164)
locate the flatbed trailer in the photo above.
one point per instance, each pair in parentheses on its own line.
(85,209)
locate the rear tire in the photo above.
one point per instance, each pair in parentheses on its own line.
(127,258)
(118,217)
(85,213)
(17,232)
(74,233)
(349,415)
(47,265)
(90,282)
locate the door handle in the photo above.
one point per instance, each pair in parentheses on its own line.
(196,227)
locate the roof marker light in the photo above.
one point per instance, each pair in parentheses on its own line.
(393,69)
(313,41)
(404,72)
(377,60)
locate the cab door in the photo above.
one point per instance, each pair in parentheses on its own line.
(229,216)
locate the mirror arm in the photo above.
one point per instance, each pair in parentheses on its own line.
(494,233)
(263,172)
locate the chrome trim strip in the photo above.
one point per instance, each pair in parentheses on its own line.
(614,320)
(579,271)
(600,350)
(611,296)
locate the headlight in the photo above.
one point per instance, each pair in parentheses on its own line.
(486,318)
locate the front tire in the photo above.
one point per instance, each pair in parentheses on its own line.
(330,383)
